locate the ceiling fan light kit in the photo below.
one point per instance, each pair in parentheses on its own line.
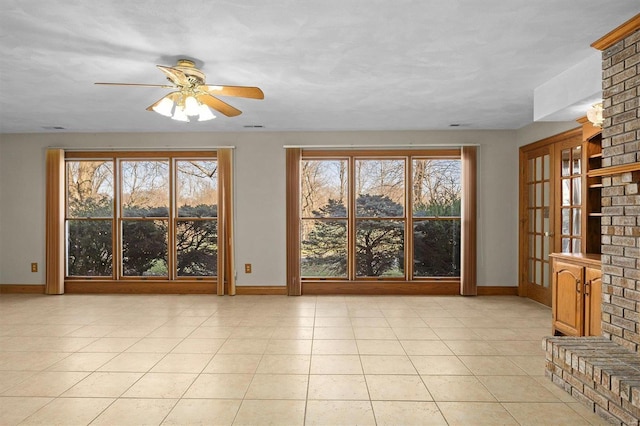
(192,97)
(594,114)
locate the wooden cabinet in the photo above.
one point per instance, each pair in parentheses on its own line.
(593,301)
(577,294)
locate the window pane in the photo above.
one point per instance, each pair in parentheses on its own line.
(324,248)
(576,221)
(545,190)
(380,188)
(566,192)
(436,248)
(89,188)
(566,162)
(545,166)
(532,195)
(577,192)
(532,220)
(576,156)
(576,246)
(145,188)
(545,215)
(144,248)
(531,271)
(89,248)
(197,188)
(197,247)
(566,221)
(545,275)
(324,188)
(380,248)
(538,168)
(437,187)
(532,244)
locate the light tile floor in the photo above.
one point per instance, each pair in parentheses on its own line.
(252,360)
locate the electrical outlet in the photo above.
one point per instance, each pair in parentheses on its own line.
(247,268)
(34,267)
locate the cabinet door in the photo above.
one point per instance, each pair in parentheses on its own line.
(567,298)
(593,302)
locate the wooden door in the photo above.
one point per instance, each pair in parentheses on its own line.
(567,298)
(536,222)
(593,302)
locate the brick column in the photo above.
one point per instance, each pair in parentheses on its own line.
(620,194)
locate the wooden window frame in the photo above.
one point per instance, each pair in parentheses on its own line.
(465,284)
(58,282)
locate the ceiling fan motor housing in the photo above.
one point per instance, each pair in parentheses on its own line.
(188,67)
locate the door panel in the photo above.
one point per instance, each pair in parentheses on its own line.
(536,223)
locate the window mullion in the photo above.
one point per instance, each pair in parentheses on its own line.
(172,223)
(351,221)
(408,216)
(117,212)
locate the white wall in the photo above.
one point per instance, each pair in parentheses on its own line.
(259,191)
(571,92)
(542,130)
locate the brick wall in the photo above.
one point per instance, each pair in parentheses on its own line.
(620,193)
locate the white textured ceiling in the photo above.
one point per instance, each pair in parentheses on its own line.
(323,65)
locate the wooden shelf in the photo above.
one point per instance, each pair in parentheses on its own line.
(615,170)
(595,186)
(595,214)
(596,155)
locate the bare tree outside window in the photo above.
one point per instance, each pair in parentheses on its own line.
(197,226)
(146,223)
(324,217)
(89,212)
(437,190)
(379,241)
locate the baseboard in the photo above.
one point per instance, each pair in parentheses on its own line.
(309,289)
(497,291)
(21,288)
(265,290)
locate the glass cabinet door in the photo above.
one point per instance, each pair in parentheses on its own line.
(571,168)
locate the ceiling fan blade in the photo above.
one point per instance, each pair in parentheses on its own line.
(164,86)
(218,105)
(175,75)
(239,91)
(172,96)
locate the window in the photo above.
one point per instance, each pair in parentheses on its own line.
(436,196)
(132,216)
(387,215)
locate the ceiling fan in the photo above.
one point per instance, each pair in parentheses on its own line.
(192,97)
